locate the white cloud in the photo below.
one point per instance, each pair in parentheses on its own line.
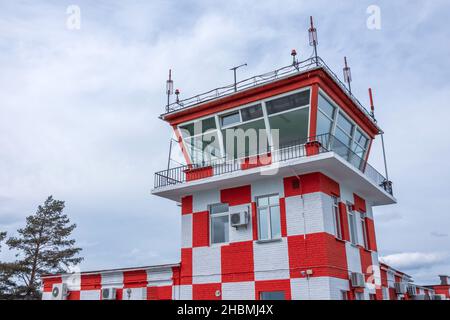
(414,260)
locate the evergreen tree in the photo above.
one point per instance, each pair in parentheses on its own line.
(7,284)
(43,247)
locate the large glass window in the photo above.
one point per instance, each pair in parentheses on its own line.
(247,137)
(359,147)
(219,223)
(325,116)
(269,217)
(292,126)
(201,140)
(290,116)
(293,101)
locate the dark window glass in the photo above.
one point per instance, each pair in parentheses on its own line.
(230,119)
(273,295)
(286,103)
(251,113)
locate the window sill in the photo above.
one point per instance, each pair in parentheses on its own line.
(340,240)
(269,241)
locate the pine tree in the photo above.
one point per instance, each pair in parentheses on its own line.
(7,285)
(43,247)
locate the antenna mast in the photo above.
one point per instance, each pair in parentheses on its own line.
(169,89)
(313,42)
(235,78)
(347,75)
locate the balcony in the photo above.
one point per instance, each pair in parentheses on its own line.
(321,153)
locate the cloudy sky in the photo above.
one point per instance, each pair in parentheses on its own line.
(79,110)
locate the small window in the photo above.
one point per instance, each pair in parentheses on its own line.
(336,218)
(219,223)
(269,217)
(385,292)
(252,113)
(352,225)
(364,231)
(272,295)
(286,103)
(230,119)
(344,295)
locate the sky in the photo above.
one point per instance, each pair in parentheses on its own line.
(79,110)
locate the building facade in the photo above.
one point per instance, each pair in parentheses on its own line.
(287,216)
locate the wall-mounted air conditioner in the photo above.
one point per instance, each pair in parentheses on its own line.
(358,280)
(239,219)
(109,293)
(400,288)
(59,291)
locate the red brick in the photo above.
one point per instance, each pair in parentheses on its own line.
(200,229)
(237,262)
(236,196)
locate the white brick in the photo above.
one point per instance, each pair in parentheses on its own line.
(206,265)
(266,187)
(201,200)
(183,292)
(90,295)
(238,291)
(73,281)
(186,231)
(160,277)
(305,213)
(134,294)
(271,260)
(112,280)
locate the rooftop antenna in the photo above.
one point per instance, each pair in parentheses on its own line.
(387,183)
(313,42)
(347,75)
(234,71)
(177,94)
(169,89)
(372,107)
(294,59)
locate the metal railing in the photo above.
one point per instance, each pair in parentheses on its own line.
(299,67)
(288,151)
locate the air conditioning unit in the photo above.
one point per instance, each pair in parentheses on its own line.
(239,219)
(358,280)
(59,291)
(412,290)
(109,293)
(400,288)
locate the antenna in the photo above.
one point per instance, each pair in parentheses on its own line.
(169,89)
(234,71)
(347,75)
(372,107)
(294,59)
(313,42)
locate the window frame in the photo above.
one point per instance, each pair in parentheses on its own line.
(215,215)
(336,217)
(269,220)
(365,239)
(265,116)
(338,110)
(353,231)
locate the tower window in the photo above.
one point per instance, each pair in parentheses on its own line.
(220,223)
(336,218)
(352,225)
(269,217)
